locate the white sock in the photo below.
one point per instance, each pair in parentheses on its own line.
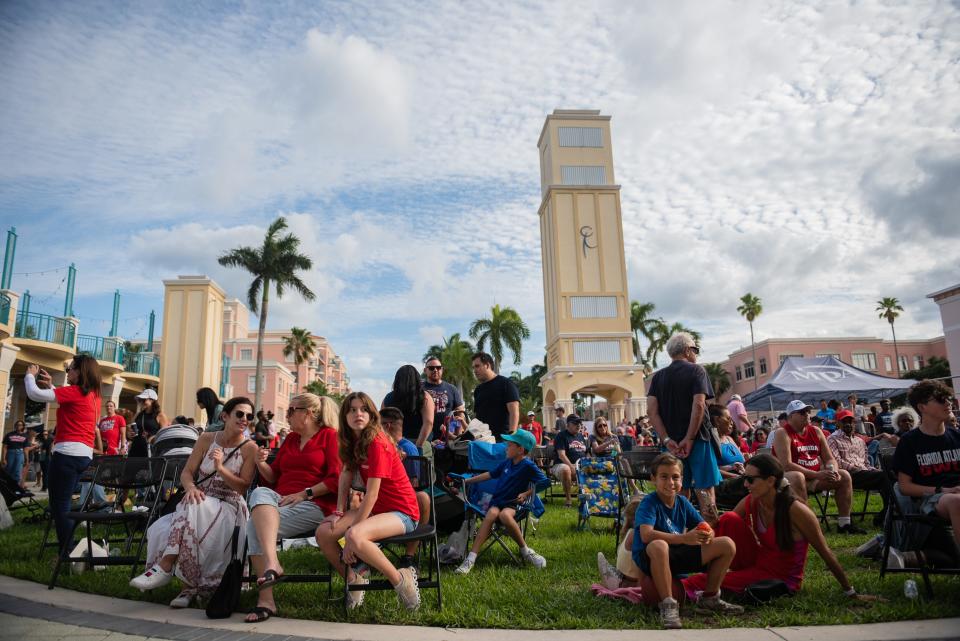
(524,549)
(471,557)
(843,520)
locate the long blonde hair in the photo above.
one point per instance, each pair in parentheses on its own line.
(353,448)
(323,408)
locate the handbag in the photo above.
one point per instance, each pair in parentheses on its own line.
(708,432)
(171,505)
(226,597)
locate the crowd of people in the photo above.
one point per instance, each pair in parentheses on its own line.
(337,473)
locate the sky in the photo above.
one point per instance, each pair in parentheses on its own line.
(806,152)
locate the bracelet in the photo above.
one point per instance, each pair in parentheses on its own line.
(337,513)
(852,591)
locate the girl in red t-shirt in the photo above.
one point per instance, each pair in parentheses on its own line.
(76,431)
(389,506)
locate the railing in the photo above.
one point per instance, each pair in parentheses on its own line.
(5,303)
(145,363)
(51,329)
(102,349)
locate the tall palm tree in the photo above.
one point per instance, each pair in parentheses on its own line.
(889,309)
(504,328)
(719,378)
(455,355)
(300,344)
(642,322)
(273,264)
(750,307)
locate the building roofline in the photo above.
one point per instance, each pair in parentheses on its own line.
(953,289)
(835,339)
(570,114)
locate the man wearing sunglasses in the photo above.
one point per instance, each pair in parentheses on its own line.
(447,399)
(802,447)
(676,404)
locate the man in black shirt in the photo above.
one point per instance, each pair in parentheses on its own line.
(927,458)
(496,400)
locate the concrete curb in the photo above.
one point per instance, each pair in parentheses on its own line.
(29,599)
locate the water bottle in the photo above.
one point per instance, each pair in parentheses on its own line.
(910,589)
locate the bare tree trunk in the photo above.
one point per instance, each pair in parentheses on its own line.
(756,366)
(264,304)
(896,351)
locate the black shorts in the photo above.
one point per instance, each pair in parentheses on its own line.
(684,559)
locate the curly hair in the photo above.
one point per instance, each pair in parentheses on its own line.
(353,447)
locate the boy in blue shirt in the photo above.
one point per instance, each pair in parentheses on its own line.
(672,538)
(514,477)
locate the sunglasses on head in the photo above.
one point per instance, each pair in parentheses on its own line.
(240,415)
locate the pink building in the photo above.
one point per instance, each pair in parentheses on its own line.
(281,378)
(872,354)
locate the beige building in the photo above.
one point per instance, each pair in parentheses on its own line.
(586,300)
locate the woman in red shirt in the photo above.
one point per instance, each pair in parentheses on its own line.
(389,506)
(299,488)
(72,451)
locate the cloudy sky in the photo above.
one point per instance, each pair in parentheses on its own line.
(805,152)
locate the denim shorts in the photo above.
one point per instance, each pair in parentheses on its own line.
(409,525)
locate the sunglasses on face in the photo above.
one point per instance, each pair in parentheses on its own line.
(749,480)
(240,415)
(291,410)
(694,349)
(434,368)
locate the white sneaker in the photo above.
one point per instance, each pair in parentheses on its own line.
(155,577)
(355,598)
(408,590)
(670,614)
(610,576)
(534,559)
(465,567)
(182,600)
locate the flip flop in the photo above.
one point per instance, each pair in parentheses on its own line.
(262,614)
(269,579)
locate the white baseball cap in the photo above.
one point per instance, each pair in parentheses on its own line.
(531,413)
(798,406)
(736,397)
(148,393)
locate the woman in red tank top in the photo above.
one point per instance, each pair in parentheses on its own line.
(773,532)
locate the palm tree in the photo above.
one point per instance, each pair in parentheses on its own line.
(275,264)
(642,322)
(504,328)
(750,308)
(317,387)
(890,308)
(455,354)
(661,334)
(300,344)
(719,378)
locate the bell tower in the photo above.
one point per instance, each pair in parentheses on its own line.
(586,299)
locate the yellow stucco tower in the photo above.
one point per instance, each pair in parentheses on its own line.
(192,343)
(586,300)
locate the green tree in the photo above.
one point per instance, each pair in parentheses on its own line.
(642,322)
(275,264)
(719,378)
(503,329)
(889,309)
(750,307)
(936,367)
(300,345)
(455,355)
(317,387)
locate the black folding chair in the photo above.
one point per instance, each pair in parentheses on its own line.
(85,477)
(634,466)
(935,524)
(542,455)
(420,471)
(18,498)
(120,475)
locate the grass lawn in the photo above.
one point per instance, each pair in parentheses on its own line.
(499,594)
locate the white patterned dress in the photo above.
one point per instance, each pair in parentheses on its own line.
(201,533)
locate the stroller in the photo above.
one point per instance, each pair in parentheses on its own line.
(175,440)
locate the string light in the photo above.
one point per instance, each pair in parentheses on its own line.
(41,273)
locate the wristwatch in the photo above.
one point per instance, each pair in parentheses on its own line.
(938,489)
(309,492)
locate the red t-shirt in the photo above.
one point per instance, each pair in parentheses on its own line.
(396,492)
(77,415)
(805,447)
(319,460)
(536,429)
(111,428)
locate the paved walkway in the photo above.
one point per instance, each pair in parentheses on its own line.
(29,611)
